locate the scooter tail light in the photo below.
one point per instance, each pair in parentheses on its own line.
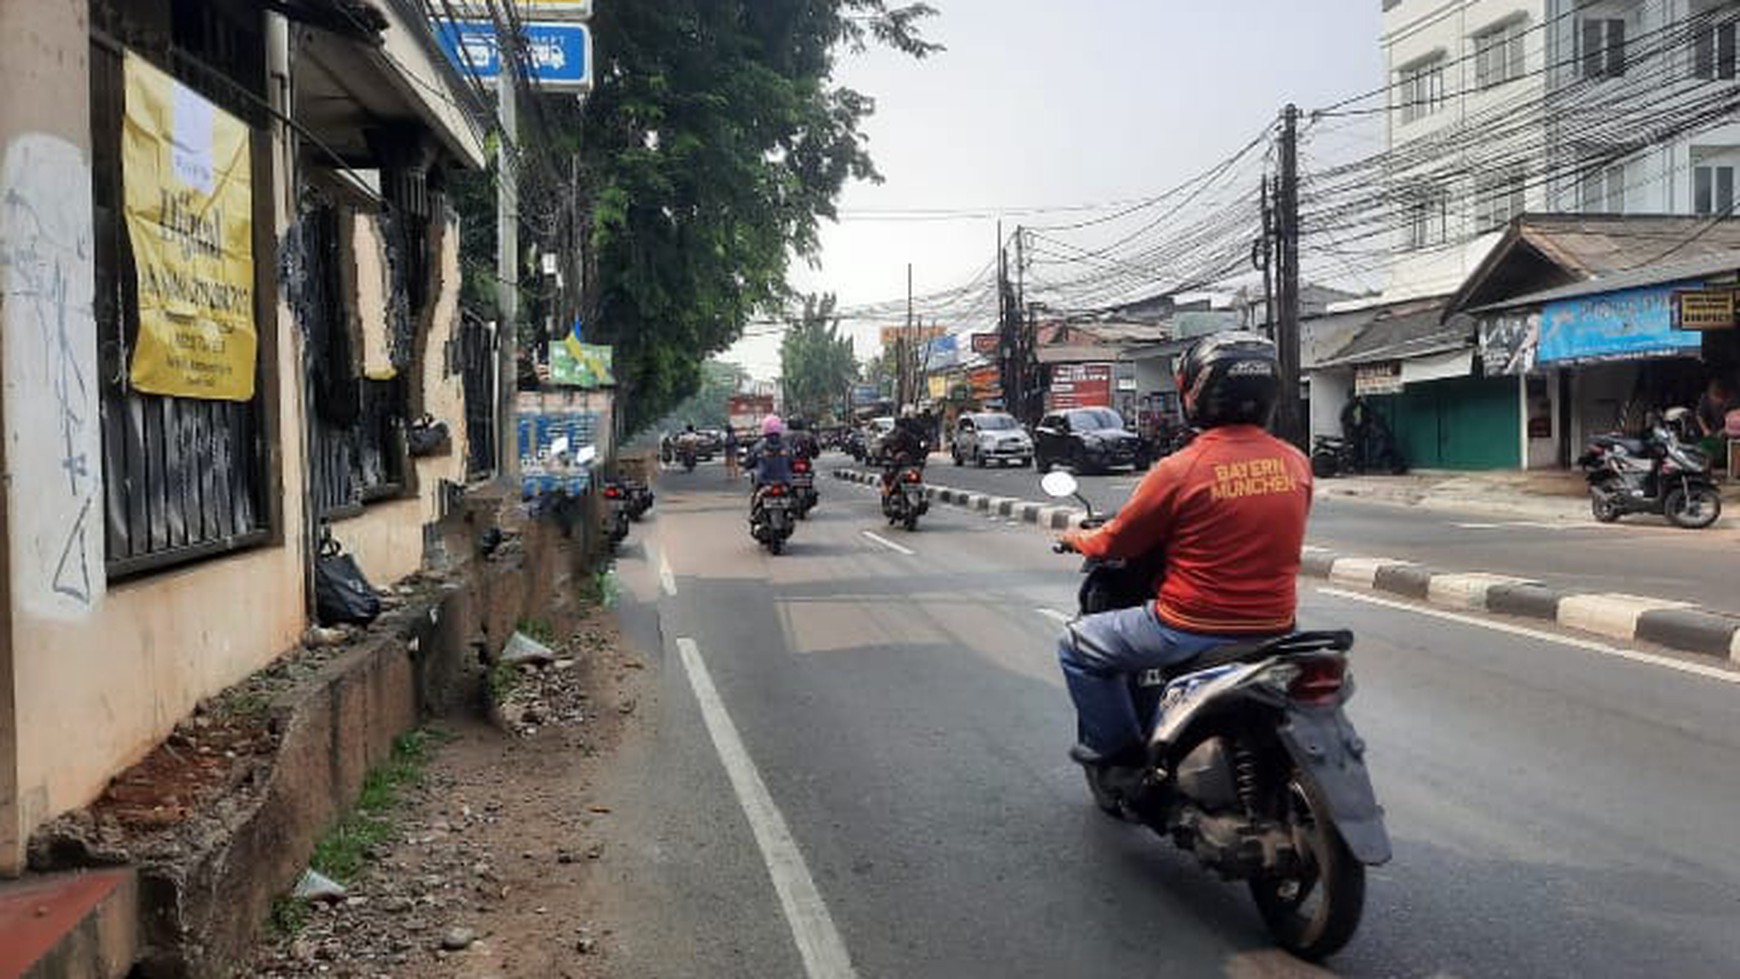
(800,466)
(612,493)
(912,476)
(775,489)
(1319,680)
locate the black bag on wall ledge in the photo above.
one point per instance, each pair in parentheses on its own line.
(341,593)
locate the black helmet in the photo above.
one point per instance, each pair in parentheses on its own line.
(1231,378)
(796,423)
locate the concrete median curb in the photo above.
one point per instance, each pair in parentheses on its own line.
(1677,625)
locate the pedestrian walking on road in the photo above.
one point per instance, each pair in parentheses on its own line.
(731,473)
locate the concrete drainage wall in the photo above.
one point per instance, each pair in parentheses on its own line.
(205,896)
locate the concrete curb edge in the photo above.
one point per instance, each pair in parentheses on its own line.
(1675,625)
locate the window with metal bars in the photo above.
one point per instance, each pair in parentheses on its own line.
(183,478)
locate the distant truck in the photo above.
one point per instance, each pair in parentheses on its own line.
(745,412)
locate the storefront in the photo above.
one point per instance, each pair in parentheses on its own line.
(1588,361)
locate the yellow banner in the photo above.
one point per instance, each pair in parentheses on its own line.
(189,209)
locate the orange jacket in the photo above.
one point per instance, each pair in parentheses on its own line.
(1229,513)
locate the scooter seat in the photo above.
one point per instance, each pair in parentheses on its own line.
(1338,640)
(1631,445)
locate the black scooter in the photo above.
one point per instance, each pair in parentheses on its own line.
(771,519)
(905,500)
(1252,765)
(1332,455)
(616,515)
(1654,474)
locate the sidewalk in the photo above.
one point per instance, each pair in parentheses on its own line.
(1554,495)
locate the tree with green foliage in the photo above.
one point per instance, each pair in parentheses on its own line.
(706,408)
(817,364)
(714,142)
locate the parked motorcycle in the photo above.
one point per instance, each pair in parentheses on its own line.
(616,515)
(1654,474)
(639,498)
(1252,765)
(1332,455)
(771,516)
(803,487)
(905,501)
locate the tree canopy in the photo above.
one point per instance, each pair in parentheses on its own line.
(706,408)
(817,364)
(713,144)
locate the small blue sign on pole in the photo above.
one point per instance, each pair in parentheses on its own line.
(560,54)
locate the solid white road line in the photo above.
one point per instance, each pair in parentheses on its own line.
(1053,614)
(1652,659)
(667,580)
(818,942)
(885,542)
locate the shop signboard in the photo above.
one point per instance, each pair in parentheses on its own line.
(891,335)
(865,394)
(986,344)
(560,53)
(1509,344)
(1079,386)
(942,353)
(1630,324)
(1379,378)
(987,383)
(1704,309)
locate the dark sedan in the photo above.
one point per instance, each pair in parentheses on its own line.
(1086,440)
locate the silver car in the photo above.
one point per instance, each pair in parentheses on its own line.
(985,437)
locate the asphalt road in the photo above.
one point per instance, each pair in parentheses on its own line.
(1639,556)
(1556,811)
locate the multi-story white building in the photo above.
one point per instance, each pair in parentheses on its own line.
(1502,106)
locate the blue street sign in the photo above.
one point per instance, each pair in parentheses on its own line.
(560,53)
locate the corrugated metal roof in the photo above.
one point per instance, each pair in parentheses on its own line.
(1405,331)
(1721,263)
(1594,244)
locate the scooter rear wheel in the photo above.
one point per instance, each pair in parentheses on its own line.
(1314,913)
(1603,509)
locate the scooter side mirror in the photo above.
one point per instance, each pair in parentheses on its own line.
(1059,485)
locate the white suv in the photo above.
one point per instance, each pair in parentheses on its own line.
(991,436)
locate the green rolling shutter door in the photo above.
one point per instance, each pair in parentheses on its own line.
(1462,423)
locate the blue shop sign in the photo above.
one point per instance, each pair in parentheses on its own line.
(1629,324)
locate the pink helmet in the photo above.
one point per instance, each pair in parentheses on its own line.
(771,425)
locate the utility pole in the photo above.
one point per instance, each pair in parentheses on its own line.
(904,346)
(1266,261)
(1288,422)
(1017,395)
(507,264)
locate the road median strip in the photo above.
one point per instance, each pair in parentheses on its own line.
(1674,624)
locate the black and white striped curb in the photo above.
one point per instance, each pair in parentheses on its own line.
(1678,625)
(1039,514)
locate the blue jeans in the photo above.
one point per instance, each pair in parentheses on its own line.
(1099,653)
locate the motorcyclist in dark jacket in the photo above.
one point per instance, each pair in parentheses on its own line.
(906,444)
(801,439)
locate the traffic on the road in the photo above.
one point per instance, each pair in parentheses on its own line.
(1439,824)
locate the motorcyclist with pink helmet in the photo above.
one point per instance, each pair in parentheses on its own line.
(770,460)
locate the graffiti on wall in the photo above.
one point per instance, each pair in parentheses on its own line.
(53,433)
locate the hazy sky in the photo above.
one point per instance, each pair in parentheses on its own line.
(1044,104)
